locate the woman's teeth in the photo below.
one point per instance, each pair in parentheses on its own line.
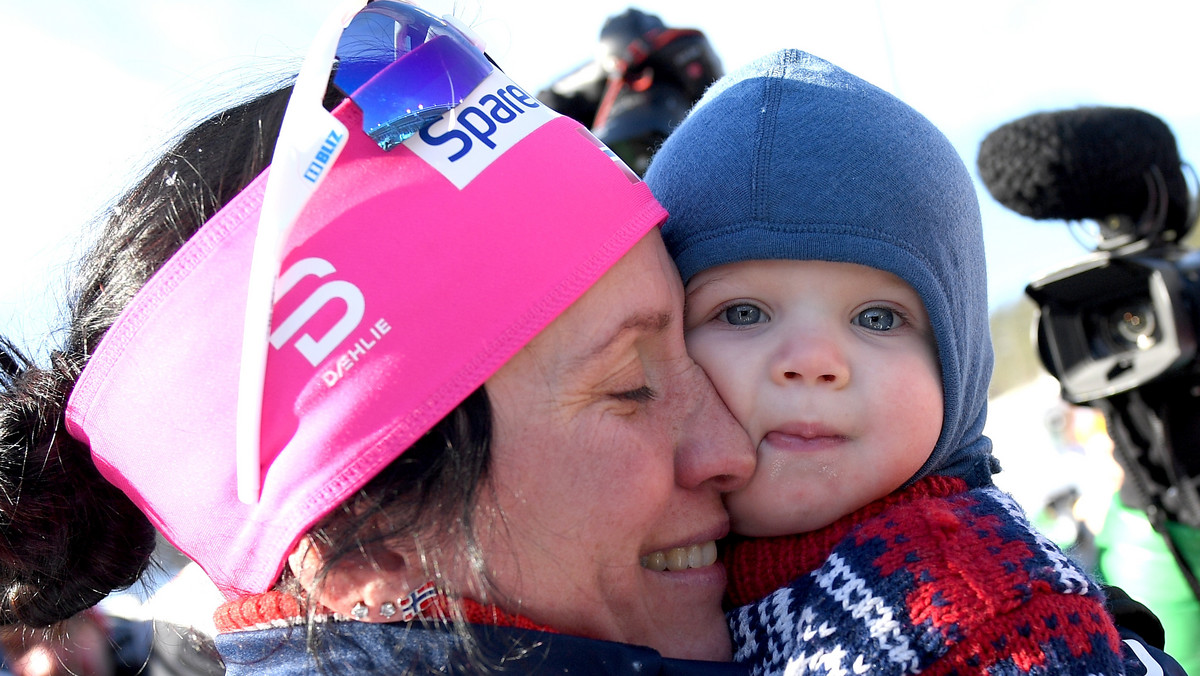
(682,558)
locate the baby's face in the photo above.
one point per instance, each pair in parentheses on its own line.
(833,371)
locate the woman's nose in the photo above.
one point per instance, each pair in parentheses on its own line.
(712,449)
(812,358)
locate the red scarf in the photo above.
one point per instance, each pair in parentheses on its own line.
(759,566)
(272,608)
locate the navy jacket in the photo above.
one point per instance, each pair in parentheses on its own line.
(357,648)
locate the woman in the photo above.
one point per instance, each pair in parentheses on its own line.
(475,438)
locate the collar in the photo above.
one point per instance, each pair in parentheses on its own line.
(279,609)
(759,566)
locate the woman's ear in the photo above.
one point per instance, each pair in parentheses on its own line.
(368,590)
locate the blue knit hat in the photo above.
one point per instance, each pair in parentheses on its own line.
(792,157)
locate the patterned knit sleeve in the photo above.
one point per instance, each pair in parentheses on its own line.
(959,585)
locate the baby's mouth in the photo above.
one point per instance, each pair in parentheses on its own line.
(682,558)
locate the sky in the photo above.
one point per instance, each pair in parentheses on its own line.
(96,88)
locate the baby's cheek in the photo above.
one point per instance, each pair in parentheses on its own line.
(771,504)
(742,517)
(715,359)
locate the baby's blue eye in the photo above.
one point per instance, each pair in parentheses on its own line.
(742,315)
(877,319)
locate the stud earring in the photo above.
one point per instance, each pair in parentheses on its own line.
(387,610)
(417,602)
(360,611)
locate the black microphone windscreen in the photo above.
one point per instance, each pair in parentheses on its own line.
(1083,163)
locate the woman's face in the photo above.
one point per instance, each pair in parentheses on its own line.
(611,452)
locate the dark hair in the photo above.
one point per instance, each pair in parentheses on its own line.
(431,488)
(67,536)
(423,501)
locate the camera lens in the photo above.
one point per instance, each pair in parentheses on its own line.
(1133,327)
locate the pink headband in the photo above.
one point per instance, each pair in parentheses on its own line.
(410,278)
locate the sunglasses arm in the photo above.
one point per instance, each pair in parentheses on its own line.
(310,138)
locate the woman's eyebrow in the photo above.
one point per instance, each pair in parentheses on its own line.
(643,322)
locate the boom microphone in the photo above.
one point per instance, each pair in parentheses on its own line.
(1098,163)
(1119,327)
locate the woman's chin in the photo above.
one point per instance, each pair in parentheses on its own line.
(687,622)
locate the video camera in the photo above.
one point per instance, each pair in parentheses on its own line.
(1118,329)
(642,84)
(1123,316)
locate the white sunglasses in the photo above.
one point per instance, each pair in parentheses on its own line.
(404,68)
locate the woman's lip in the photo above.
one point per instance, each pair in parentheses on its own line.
(679,559)
(714,533)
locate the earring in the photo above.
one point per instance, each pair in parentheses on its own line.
(360,611)
(387,610)
(416,602)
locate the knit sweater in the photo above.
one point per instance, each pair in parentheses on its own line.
(935,579)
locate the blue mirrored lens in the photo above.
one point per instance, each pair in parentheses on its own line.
(405,68)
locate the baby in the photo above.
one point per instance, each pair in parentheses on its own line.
(830,241)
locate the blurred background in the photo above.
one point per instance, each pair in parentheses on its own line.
(96,90)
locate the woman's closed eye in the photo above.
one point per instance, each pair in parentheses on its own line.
(641,395)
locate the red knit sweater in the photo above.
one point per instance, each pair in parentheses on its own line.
(934,579)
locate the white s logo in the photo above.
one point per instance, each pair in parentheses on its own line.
(316,351)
